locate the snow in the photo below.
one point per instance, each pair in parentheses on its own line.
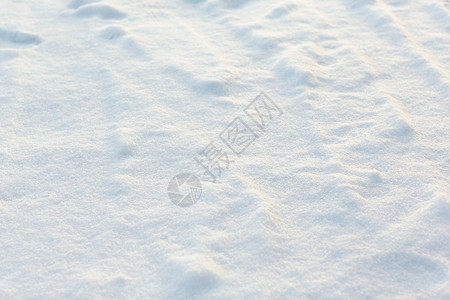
(345,195)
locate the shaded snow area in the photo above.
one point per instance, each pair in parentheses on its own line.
(225,149)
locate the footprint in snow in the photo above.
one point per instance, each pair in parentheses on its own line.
(113,32)
(17,39)
(94,9)
(102,11)
(75,4)
(91,8)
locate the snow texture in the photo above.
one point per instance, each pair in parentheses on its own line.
(346,195)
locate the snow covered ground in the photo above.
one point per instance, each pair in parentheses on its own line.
(346,195)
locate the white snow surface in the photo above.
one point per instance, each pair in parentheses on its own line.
(346,195)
